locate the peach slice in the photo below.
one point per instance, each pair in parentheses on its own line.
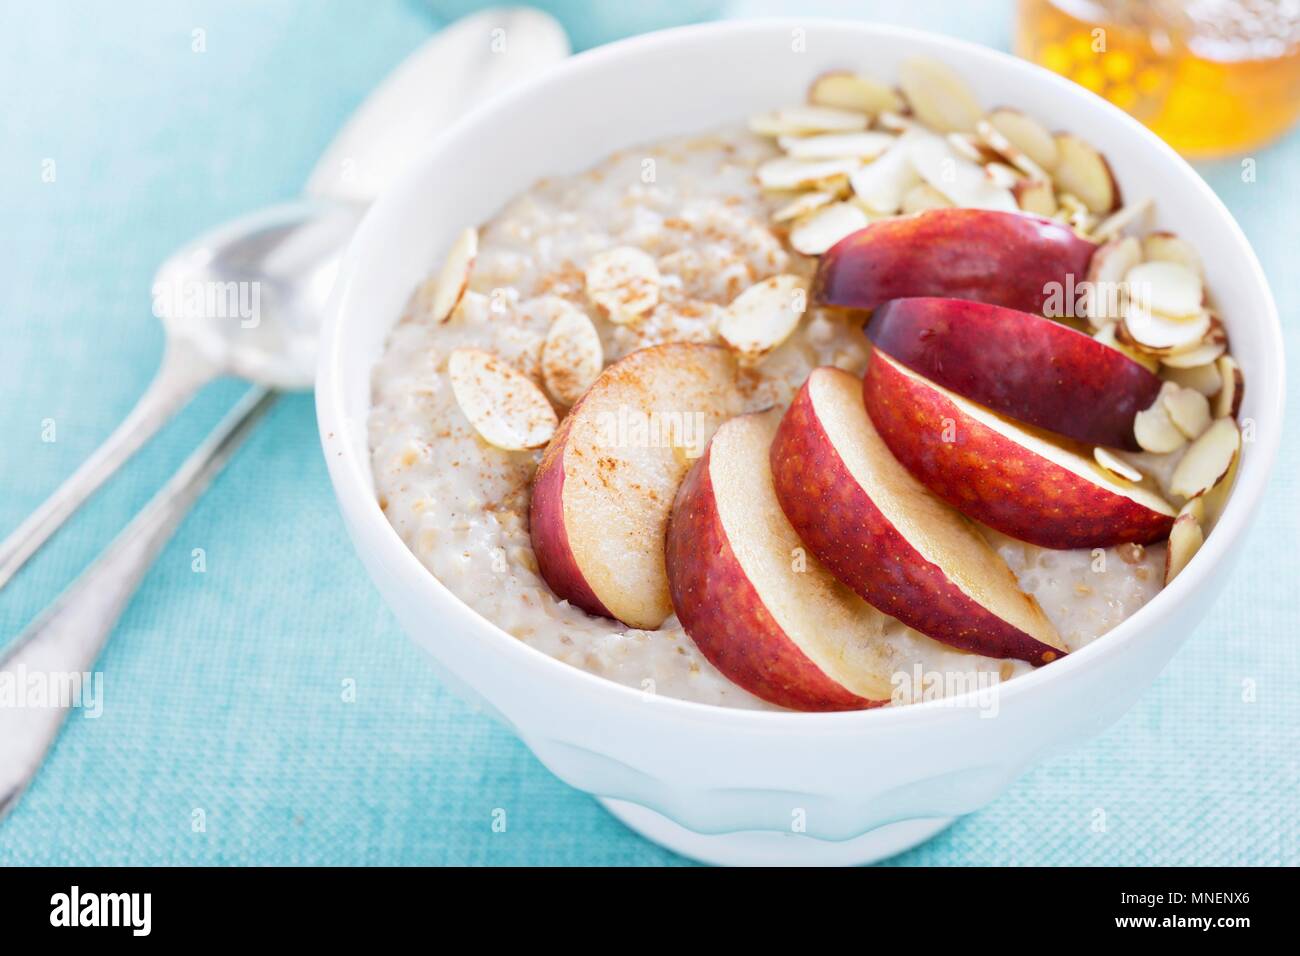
(888,539)
(1012,478)
(1003,258)
(1022,365)
(771,619)
(604,488)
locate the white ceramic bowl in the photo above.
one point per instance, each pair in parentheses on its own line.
(733,785)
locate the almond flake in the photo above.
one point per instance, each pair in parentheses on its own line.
(1083,171)
(1195,507)
(882,184)
(1228,402)
(1188,409)
(786,173)
(802,205)
(962,181)
(1115,465)
(995,140)
(851,91)
(1185,539)
(923,196)
(827,226)
(1207,459)
(453,280)
(1160,334)
(504,406)
(572,355)
(1114,224)
(1000,174)
(967,146)
(1036,196)
(1166,287)
(1166,247)
(895,121)
(866,145)
(763,316)
(1197,356)
(1025,135)
(1154,430)
(1110,264)
(623,282)
(802,120)
(938,96)
(1106,336)
(1204,378)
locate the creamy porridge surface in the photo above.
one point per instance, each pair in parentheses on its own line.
(462,505)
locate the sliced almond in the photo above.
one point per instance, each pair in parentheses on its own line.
(1084,172)
(1026,135)
(453,280)
(851,91)
(1110,264)
(1166,247)
(624,282)
(922,197)
(1195,507)
(504,406)
(1166,287)
(895,121)
(1206,460)
(1228,401)
(939,96)
(962,181)
(802,205)
(802,120)
(1001,144)
(866,145)
(968,146)
(1204,378)
(572,355)
(1121,219)
(763,316)
(1188,409)
(1115,465)
(822,229)
(1203,355)
(1075,212)
(882,184)
(1036,196)
(1154,430)
(1106,336)
(1160,334)
(786,173)
(1185,539)
(1000,174)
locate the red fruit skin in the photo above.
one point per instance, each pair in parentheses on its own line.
(846,532)
(1022,365)
(550,538)
(989,477)
(725,616)
(1002,258)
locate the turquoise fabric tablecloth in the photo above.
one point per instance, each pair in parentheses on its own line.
(224,690)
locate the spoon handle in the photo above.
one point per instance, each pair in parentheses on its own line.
(58,650)
(181,374)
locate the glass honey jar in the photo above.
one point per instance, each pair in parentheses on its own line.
(1211,77)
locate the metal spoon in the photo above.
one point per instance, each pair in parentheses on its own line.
(246,298)
(268,336)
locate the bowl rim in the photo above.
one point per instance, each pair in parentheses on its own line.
(350,474)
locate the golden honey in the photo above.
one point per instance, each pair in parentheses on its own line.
(1211,77)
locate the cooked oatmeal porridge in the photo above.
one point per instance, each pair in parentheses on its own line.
(659,245)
